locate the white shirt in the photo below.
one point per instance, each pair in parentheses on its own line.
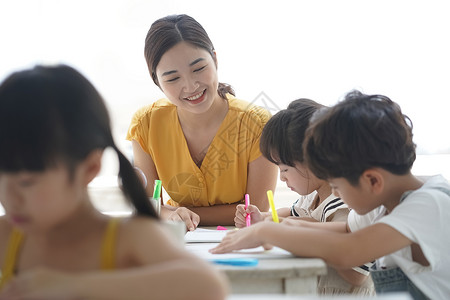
(423,216)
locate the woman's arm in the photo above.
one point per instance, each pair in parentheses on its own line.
(143,161)
(213,215)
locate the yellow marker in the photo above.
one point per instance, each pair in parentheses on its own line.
(272,206)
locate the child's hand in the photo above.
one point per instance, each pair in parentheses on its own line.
(241,213)
(244,238)
(41,284)
(190,218)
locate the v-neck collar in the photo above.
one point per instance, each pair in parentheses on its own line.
(213,142)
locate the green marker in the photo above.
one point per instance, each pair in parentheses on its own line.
(157,189)
(156,199)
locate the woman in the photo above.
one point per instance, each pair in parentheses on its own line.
(201,141)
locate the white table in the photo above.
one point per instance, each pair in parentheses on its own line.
(278,276)
(277,272)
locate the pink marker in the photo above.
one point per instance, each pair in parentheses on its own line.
(247,217)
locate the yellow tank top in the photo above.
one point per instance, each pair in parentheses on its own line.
(222,176)
(15,242)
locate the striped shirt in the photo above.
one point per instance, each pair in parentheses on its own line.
(332,209)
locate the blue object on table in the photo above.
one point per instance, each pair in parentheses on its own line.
(242,262)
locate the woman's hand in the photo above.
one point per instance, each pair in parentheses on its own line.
(241,213)
(190,218)
(41,283)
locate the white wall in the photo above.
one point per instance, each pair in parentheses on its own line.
(319,49)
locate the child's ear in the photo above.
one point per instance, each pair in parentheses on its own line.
(374,179)
(92,165)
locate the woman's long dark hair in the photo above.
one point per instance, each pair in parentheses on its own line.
(53,114)
(171,30)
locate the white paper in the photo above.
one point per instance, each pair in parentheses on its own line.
(202,250)
(202,235)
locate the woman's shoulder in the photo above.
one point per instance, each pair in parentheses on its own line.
(253,111)
(161,110)
(161,106)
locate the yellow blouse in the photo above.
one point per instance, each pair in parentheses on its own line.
(15,242)
(222,177)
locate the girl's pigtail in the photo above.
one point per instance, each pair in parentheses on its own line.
(132,187)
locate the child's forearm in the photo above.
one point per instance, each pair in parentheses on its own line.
(329,226)
(283,212)
(156,282)
(308,242)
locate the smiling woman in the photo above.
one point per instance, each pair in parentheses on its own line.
(200,141)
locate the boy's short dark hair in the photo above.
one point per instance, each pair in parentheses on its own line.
(358,133)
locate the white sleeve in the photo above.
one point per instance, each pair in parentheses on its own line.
(356,222)
(424,218)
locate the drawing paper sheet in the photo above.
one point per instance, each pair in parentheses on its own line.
(203,235)
(201,249)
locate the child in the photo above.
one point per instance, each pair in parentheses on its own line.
(281,143)
(54,244)
(363,147)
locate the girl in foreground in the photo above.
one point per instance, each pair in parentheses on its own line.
(54,244)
